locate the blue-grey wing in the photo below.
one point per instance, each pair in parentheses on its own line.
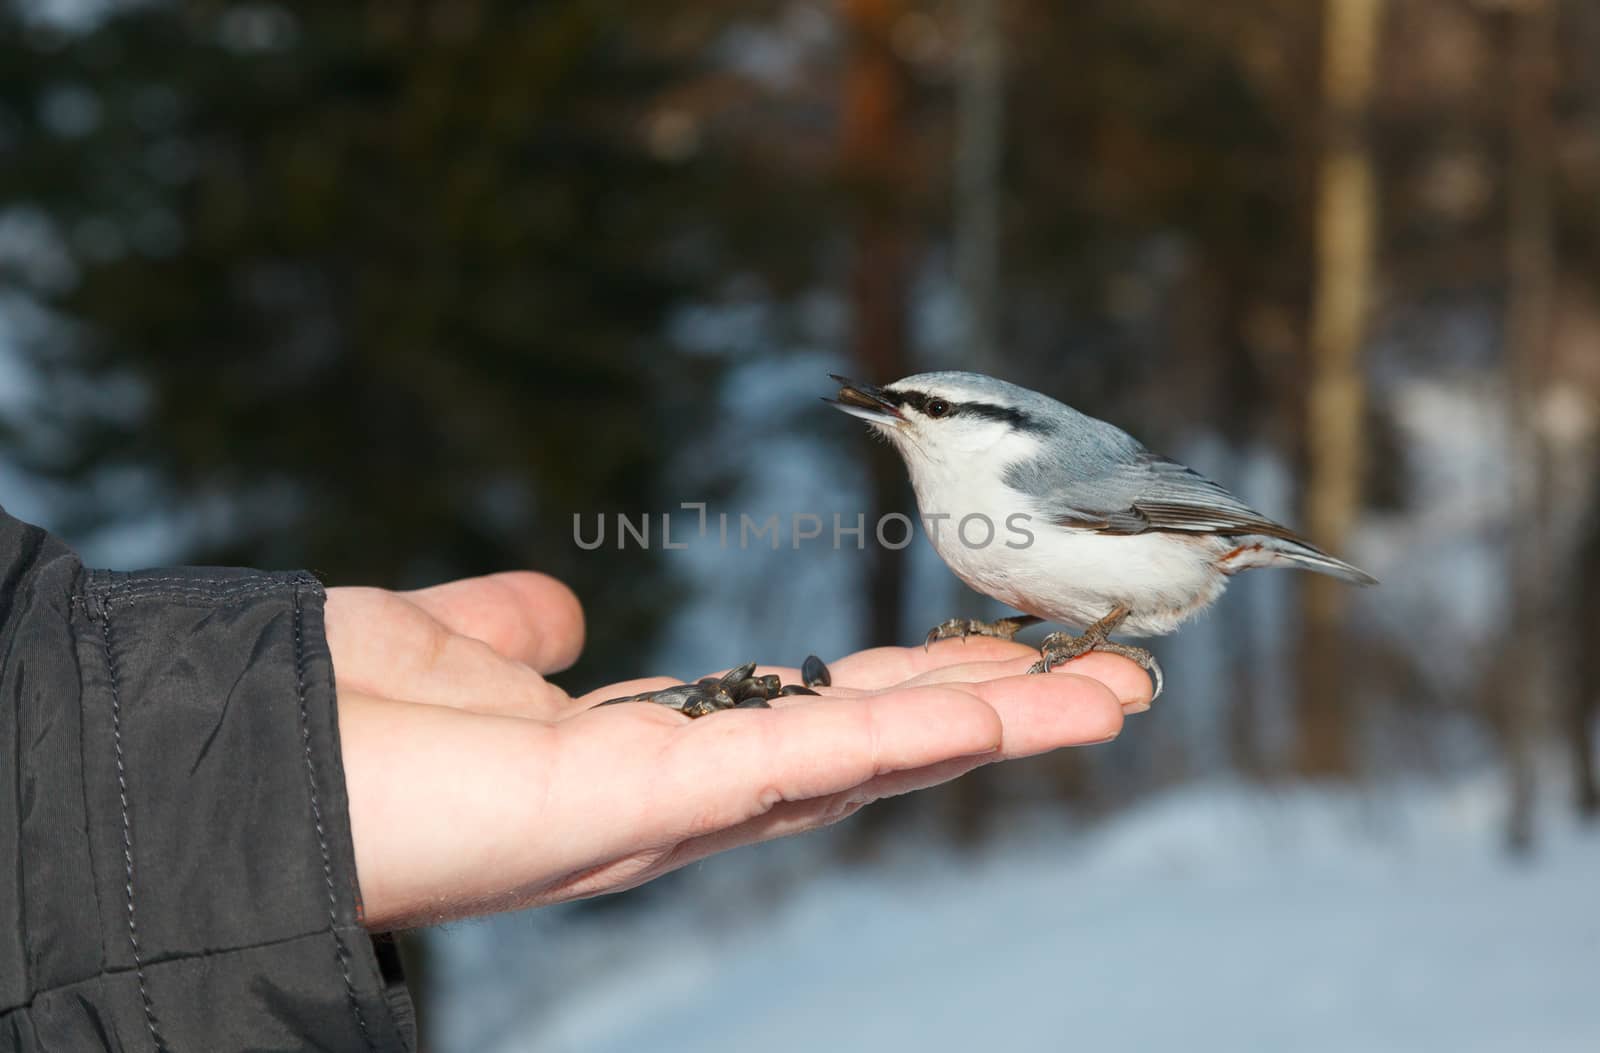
(1152,493)
(1144,493)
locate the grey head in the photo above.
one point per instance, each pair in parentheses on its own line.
(958,414)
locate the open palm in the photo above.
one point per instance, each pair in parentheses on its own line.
(476,785)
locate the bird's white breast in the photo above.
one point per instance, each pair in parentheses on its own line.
(1063,575)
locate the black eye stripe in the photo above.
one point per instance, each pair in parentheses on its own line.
(918,400)
(1016,418)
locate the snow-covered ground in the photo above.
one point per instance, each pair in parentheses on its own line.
(1214,918)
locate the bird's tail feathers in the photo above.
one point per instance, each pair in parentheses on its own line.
(1308,556)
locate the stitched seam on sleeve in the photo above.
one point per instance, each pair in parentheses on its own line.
(209,590)
(127,835)
(217,595)
(341,950)
(221,592)
(120,584)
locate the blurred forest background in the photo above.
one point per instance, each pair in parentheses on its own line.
(394,290)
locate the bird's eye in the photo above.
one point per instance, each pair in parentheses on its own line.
(938,407)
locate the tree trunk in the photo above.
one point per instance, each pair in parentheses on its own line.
(1523,694)
(1583,687)
(980,121)
(873,160)
(1345,223)
(980,110)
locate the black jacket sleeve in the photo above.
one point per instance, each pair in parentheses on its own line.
(176,870)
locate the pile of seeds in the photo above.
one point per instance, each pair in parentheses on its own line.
(738,688)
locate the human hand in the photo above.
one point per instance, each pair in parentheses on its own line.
(477,786)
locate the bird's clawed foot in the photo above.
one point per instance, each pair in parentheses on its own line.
(1058,648)
(961,628)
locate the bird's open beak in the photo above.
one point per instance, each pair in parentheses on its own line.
(871,404)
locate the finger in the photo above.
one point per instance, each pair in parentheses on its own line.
(798,817)
(728,768)
(1127,681)
(784,820)
(383,644)
(1043,713)
(1065,707)
(883,667)
(1039,713)
(1130,684)
(527,617)
(732,778)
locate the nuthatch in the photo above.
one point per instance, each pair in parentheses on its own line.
(1100,533)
